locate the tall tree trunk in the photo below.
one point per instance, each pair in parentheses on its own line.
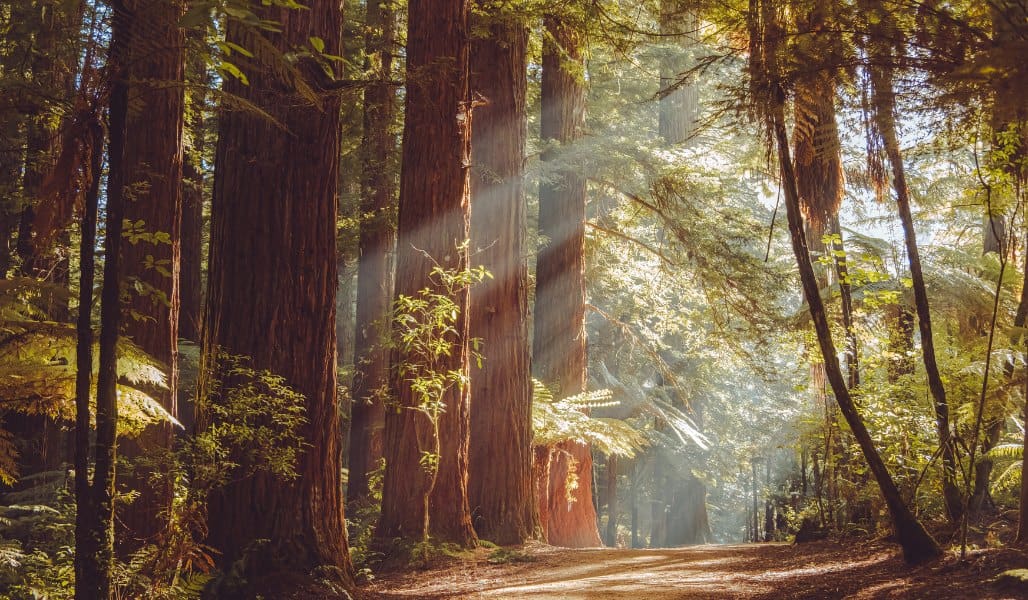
(559,344)
(433,228)
(52,68)
(98,525)
(377,239)
(153,168)
(612,502)
(918,546)
(679,94)
(1009,111)
(274,207)
(884,115)
(688,522)
(500,472)
(85,515)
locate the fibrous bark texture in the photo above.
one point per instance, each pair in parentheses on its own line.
(559,344)
(151,259)
(274,208)
(432,229)
(500,486)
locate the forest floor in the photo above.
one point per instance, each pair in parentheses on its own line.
(858,569)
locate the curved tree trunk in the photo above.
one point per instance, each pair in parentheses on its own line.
(151,259)
(500,472)
(432,230)
(884,115)
(377,238)
(559,345)
(274,207)
(917,544)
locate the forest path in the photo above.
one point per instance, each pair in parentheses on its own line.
(861,570)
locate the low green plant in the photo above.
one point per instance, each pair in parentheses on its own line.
(425,332)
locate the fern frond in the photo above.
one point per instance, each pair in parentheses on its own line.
(567,420)
(1009,477)
(1005,452)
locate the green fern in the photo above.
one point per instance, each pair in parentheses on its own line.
(556,421)
(38,368)
(1010,477)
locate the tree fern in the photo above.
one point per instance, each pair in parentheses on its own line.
(37,369)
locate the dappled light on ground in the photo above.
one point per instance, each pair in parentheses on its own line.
(861,569)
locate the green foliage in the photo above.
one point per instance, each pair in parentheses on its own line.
(254,424)
(37,539)
(360,524)
(568,419)
(38,366)
(503,556)
(425,332)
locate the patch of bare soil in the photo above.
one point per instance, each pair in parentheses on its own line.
(861,569)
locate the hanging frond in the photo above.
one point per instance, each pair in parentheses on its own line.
(8,458)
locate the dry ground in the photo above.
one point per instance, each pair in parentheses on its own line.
(860,569)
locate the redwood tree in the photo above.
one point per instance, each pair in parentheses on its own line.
(559,346)
(377,237)
(153,170)
(271,293)
(500,483)
(433,226)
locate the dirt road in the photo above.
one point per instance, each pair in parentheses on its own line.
(860,570)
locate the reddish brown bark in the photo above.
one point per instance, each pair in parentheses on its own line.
(271,297)
(150,267)
(433,226)
(377,237)
(559,345)
(500,482)
(52,69)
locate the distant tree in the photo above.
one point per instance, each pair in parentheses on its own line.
(52,67)
(425,490)
(271,291)
(194,183)
(500,481)
(377,239)
(559,347)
